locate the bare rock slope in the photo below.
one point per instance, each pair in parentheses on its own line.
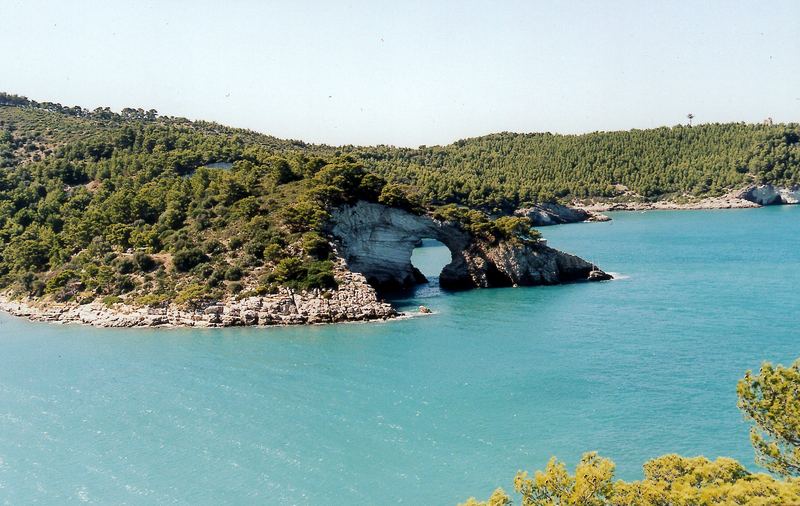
(769,195)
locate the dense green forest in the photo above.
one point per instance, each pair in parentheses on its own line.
(152,208)
(137,207)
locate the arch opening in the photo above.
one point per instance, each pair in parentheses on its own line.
(429,257)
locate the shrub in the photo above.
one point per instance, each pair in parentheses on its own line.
(110,300)
(235,243)
(124,284)
(185,259)
(303,216)
(60,279)
(515,227)
(287,270)
(213,247)
(273,252)
(193,294)
(233,273)
(395,195)
(153,299)
(126,265)
(315,245)
(294,273)
(255,247)
(144,261)
(319,275)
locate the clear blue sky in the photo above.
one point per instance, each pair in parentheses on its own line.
(410,73)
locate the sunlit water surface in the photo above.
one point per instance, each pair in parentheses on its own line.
(427,410)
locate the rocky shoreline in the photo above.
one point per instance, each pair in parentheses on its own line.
(732,200)
(373,245)
(752,196)
(749,197)
(355,300)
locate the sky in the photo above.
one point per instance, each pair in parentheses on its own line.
(411,73)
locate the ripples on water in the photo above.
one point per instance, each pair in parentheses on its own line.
(420,411)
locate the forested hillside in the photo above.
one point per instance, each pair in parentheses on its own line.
(506,170)
(98,204)
(151,208)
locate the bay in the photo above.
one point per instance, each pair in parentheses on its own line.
(426,410)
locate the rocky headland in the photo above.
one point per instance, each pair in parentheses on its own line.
(373,244)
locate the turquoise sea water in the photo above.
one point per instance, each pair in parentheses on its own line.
(428,410)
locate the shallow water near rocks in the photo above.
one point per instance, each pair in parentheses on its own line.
(426,410)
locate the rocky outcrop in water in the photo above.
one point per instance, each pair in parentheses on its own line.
(377,241)
(354,300)
(542,215)
(769,195)
(512,263)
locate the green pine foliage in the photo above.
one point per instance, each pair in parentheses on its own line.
(771,399)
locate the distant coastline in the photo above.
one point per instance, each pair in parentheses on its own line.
(750,197)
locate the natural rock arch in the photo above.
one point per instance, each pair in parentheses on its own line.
(429,259)
(377,241)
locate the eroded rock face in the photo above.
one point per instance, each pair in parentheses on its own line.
(542,215)
(377,241)
(513,263)
(769,195)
